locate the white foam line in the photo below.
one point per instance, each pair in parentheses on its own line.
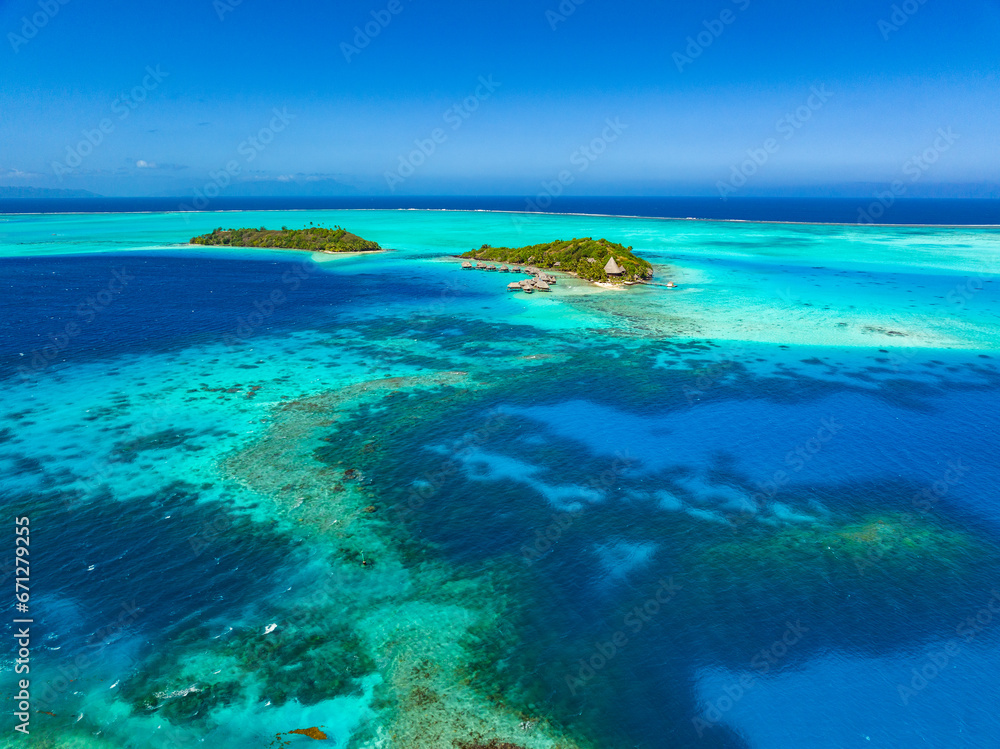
(525,213)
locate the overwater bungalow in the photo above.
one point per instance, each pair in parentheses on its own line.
(491,267)
(541,285)
(504,269)
(466,265)
(527,289)
(480,266)
(515,286)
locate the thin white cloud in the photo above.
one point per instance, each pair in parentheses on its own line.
(15,173)
(145,164)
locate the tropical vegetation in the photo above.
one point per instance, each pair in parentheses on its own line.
(584,257)
(313,238)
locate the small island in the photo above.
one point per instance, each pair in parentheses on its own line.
(312,239)
(596,260)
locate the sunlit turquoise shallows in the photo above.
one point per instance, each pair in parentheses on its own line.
(768,282)
(382,497)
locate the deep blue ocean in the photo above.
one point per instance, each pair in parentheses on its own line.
(956,212)
(401,501)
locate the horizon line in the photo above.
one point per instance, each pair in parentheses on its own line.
(524,213)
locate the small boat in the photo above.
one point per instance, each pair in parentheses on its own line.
(671,285)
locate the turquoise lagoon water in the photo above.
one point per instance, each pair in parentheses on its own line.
(381,496)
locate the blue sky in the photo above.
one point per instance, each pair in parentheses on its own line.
(255,97)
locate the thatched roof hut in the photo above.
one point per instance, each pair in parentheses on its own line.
(514,286)
(466,265)
(613,269)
